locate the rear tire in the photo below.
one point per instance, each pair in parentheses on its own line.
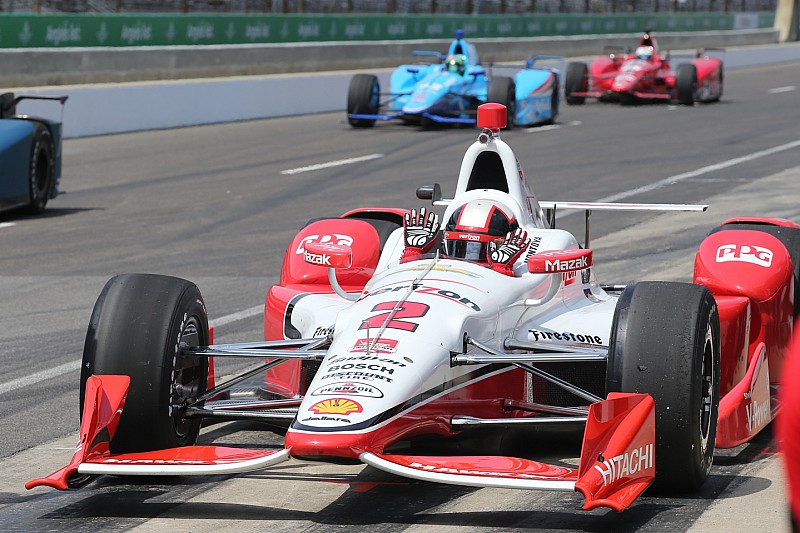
(363,97)
(686,82)
(136,329)
(665,342)
(554,102)
(577,80)
(503,90)
(41,173)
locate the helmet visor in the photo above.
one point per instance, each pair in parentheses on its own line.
(471,251)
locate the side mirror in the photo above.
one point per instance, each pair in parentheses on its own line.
(559,261)
(430,192)
(328,255)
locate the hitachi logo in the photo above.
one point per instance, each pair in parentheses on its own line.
(558,265)
(317,259)
(626,464)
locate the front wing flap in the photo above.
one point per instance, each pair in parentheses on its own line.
(617,459)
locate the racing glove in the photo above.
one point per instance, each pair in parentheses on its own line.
(421,231)
(502,256)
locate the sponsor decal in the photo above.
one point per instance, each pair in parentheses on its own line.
(334,238)
(327,419)
(336,406)
(432,291)
(349,388)
(562,265)
(356,376)
(379,345)
(744,253)
(111,460)
(532,247)
(757,414)
(626,464)
(565,336)
(323,332)
(366,357)
(317,259)
(363,366)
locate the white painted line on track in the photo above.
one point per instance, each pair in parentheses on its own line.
(699,172)
(73,366)
(787,89)
(7,224)
(329,164)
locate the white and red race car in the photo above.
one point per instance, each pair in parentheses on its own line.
(370,358)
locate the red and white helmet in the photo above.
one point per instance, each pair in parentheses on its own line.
(475,224)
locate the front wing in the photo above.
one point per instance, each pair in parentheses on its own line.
(617,460)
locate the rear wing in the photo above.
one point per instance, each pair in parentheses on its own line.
(434,194)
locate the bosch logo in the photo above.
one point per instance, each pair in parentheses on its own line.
(743,253)
(334,238)
(317,259)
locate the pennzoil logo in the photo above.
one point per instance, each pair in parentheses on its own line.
(349,388)
(379,345)
(336,406)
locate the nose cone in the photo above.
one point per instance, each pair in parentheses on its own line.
(314,444)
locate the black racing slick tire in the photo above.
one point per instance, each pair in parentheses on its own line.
(503,90)
(665,342)
(138,325)
(577,80)
(686,83)
(42,168)
(363,97)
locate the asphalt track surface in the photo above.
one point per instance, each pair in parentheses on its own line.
(211,204)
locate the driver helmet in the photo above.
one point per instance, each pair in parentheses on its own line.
(456,63)
(644,52)
(473,226)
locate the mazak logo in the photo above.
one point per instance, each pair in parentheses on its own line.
(626,464)
(565,265)
(379,345)
(744,253)
(336,406)
(317,259)
(334,238)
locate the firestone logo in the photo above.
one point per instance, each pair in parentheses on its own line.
(335,238)
(757,255)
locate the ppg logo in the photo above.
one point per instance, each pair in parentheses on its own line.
(336,238)
(744,253)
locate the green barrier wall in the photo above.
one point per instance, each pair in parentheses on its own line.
(58,31)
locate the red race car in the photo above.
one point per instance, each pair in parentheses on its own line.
(419,348)
(646,74)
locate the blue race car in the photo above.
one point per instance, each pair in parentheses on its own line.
(30,156)
(451,90)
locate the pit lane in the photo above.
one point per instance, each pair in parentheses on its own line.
(209,204)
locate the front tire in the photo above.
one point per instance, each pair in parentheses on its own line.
(503,90)
(137,327)
(665,342)
(41,170)
(577,80)
(686,82)
(363,97)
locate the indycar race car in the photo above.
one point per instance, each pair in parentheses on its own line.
(375,355)
(645,74)
(30,156)
(450,91)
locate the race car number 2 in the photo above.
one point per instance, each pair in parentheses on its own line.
(393,315)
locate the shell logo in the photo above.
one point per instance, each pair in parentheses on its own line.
(336,406)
